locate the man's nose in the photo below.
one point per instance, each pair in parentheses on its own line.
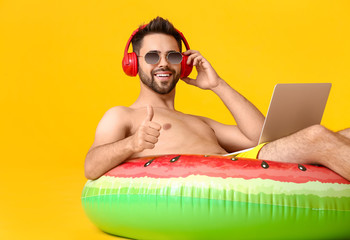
(163,61)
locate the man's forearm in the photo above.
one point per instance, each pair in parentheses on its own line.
(103,158)
(248,118)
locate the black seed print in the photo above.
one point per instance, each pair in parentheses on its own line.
(265,165)
(148,163)
(301,167)
(175,158)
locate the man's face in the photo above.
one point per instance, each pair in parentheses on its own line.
(163,76)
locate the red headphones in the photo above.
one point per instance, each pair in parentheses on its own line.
(130,59)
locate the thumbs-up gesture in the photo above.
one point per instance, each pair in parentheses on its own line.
(147,135)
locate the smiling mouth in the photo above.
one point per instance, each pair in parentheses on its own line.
(163,76)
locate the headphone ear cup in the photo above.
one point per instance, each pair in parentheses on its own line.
(185,68)
(130,64)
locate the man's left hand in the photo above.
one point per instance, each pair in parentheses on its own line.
(207,77)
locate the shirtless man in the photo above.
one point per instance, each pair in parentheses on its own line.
(152,126)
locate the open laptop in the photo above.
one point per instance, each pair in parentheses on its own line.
(293,107)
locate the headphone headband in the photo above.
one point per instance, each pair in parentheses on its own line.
(131,37)
(142,27)
(183,40)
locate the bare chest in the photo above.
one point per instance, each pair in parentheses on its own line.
(174,123)
(179,133)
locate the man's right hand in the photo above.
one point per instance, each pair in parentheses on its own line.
(147,135)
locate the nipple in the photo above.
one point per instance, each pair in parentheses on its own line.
(166,126)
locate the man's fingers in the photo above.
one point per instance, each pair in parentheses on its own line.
(149,116)
(188,80)
(148,120)
(155,126)
(192,55)
(149,145)
(148,131)
(191,51)
(151,139)
(153,132)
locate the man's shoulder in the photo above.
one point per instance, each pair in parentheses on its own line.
(115,117)
(117,112)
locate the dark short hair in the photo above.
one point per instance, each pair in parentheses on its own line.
(157,25)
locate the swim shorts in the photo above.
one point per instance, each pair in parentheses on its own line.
(248,153)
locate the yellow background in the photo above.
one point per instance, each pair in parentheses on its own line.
(60,70)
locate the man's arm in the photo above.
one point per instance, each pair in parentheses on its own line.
(248,118)
(112,146)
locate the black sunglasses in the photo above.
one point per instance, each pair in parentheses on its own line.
(153,57)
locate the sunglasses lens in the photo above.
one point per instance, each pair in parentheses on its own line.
(174,57)
(152,57)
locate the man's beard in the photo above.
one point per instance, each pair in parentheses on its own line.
(152,84)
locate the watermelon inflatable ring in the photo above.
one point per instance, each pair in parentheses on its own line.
(218,197)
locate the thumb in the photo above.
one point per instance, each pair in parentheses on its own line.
(188,80)
(150,113)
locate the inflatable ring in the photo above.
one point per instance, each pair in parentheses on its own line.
(217,197)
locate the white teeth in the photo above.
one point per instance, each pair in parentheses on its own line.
(163,75)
